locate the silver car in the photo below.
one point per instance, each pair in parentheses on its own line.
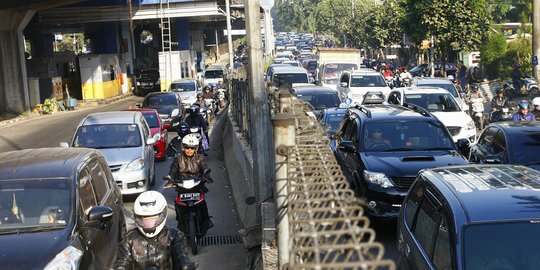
(124,140)
(187,90)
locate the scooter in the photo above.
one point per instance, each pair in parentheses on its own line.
(501,113)
(406,82)
(210,104)
(477,112)
(222,99)
(190,206)
(531,86)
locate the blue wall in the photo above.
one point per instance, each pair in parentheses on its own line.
(105,40)
(182,33)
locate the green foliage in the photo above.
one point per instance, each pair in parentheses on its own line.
(50,106)
(493,52)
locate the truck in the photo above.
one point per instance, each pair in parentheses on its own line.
(332,61)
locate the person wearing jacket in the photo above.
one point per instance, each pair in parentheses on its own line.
(536,110)
(151,243)
(190,164)
(523,114)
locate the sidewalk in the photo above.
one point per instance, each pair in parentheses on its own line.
(7,118)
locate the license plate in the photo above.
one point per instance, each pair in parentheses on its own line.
(190,196)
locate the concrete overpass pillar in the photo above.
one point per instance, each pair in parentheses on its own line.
(13,80)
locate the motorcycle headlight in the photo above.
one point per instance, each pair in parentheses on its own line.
(137,164)
(378,179)
(138,83)
(470,125)
(174,112)
(69,258)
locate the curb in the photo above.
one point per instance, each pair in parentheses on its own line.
(80,104)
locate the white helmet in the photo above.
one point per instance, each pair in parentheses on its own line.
(190,140)
(150,209)
(536,101)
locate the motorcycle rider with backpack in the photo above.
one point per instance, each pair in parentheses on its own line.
(151,243)
(190,164)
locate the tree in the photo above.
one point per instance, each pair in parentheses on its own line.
(454,25)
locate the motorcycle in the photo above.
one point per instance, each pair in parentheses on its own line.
(190,206)
(390,81)
(203,140)
(222,99)
(477,112)
(501,113)
(531,86)
(406,82)
(210,104)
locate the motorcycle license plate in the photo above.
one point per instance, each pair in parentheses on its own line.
(505,110)
(190,196)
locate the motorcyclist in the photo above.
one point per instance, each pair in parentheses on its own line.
(195,119)
(499,100)
(474,93)
(387,72)
(523,113)
(209,92)
(190,164)
(405,75)
(516,77)
(175,146)
(200,100)
(151,243)
(536,111)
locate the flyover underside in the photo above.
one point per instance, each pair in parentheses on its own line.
(122,13)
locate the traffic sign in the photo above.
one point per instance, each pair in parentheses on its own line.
(535,60)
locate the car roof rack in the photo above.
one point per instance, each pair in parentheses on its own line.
(363,109)
(417,109)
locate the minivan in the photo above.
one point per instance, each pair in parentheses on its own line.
(290,75)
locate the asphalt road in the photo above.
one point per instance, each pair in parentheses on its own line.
(221,249)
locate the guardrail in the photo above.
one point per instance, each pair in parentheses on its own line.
(320,221)
(240,107)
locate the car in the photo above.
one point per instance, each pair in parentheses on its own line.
(442,83)
(330,119)
(280,60)
(512,142)
(450,69)
(167,104)
(381,149)
(311,67)
(270,70)
(440,103)
(187,90)
(354,84)
(148,82)
(61,209)
(293,63)
(290,75)
(328,73)
(471,217)
(318,97)
(156,127)
(124,139)
(214,74)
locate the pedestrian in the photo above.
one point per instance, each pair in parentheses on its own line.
(462,75)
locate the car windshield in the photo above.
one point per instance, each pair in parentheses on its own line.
(405,136)
(333,70)
(447,86)
(504,245)
(290,78)
(333,120)
(321,101)
(151,119)
(160,100)
(34,204)
(183,87)
(434,102)
(108,136)
(213,74)
(524,147)
(367,81)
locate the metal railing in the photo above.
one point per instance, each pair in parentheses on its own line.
(320,222)
(240,108)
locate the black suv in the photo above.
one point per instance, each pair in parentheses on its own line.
(471,217)
(148,82)
(61,207)
(381,148)
(513,142)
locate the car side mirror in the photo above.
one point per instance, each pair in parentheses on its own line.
(463,146)
(64,145)
(344,84)
(166,126)
(151,140)
(99,216)
(493,160)
(138,105)
(347,146)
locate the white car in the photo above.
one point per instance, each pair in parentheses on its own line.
(355,84)
(440,103)
(444,84)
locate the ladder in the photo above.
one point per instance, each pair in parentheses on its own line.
(164,8)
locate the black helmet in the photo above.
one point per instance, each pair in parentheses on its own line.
(183,129)
(199,95)
(194,108)
(474,86)
(499,90)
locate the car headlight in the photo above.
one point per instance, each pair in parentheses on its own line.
(68,258)
(470,125)
(135,165)
(174,112)
(378,179)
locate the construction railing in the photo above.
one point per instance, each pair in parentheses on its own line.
(320,222)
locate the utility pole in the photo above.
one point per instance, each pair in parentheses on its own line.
(229,34)
(262,138)
(536,35)
(217,45)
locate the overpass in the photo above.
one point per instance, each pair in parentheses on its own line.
(109,27)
